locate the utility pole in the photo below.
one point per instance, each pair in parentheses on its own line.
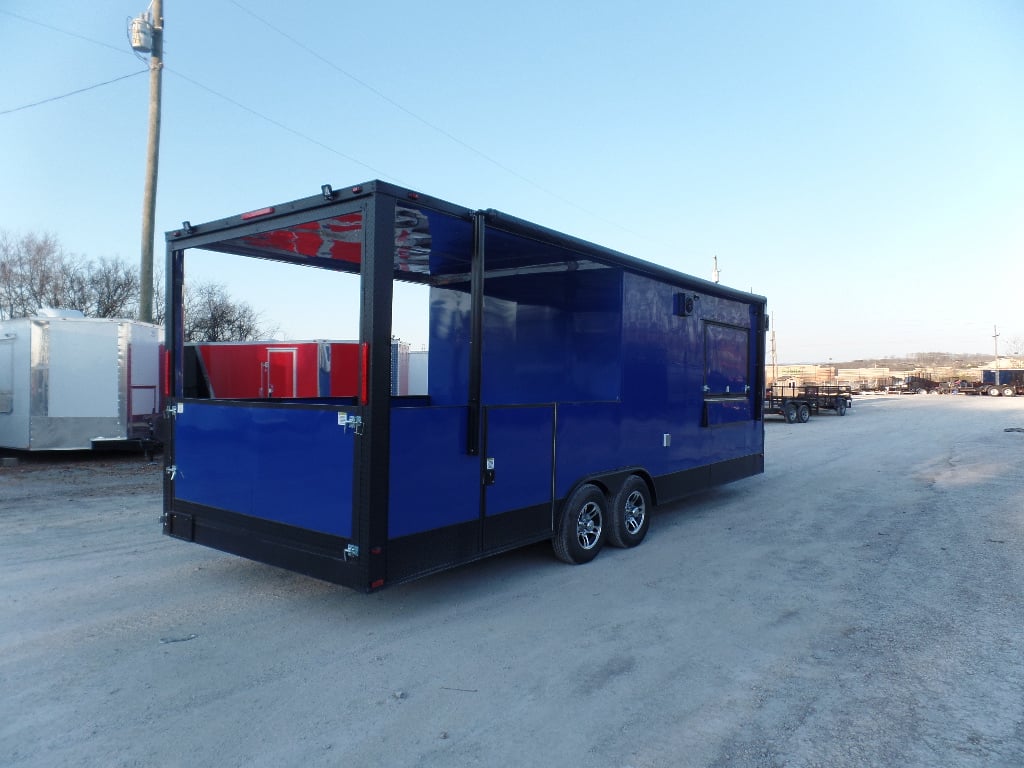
(995,340)
(150,40)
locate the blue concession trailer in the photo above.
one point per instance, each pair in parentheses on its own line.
(570,388)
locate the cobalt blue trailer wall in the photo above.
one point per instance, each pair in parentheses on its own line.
(570,388)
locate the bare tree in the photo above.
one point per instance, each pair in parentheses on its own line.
(212,315)
(36,272)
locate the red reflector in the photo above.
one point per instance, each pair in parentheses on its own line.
(257,214)
(414,195)
(375,550)
(376,584)
(356,190)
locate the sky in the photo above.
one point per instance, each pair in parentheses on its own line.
(860,164)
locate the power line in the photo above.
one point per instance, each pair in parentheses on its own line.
(73,93)
(305,137)
(280,125)
(426,122)
(66,32)
(194,82)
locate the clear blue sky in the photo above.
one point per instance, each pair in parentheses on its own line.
(861,164)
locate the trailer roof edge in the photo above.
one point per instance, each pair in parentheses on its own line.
(521,226)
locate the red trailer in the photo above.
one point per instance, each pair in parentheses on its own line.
(248,370)
(255,370)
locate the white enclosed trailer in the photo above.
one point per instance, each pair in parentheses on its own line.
(68,382)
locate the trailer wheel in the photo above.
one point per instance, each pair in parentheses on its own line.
(803,413)
(630,515)
(1008,392)
(789,411)
(581,532)
(841,407)
(993,391)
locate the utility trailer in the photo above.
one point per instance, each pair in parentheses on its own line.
(1005,382)
(797,404)
(570,388)
(69,382)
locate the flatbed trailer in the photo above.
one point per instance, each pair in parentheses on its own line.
(797,404)
(570,388)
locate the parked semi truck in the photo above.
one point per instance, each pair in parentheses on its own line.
(570,389)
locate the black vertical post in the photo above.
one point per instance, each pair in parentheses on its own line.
(174,321)
(173,355)
(377,274)
(476,333)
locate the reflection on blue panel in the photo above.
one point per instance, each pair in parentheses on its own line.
(552,336)
(433,482)
(285,464)
(520,440)
(726,411)
(726,350)
(448,362)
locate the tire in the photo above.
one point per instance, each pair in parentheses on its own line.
(1008,392)
(583,527)
(630,514)
(789,411)
(841,409)
(803,413)
(993,391)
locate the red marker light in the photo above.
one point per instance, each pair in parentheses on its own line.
(257,214)
(356,190)
(414,195)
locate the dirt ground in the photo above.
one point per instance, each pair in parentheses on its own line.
(860,604)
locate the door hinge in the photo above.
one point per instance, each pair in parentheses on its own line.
(171,470)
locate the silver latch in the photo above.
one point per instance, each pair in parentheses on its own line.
(346,420)
(171,470)
(352,550)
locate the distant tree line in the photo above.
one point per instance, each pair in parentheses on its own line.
(36,272)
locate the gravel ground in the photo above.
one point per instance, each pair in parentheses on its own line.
(860,604)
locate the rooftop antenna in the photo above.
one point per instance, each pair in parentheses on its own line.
(715,274)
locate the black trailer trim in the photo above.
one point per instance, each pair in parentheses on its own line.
(422,554)
(671,487)
(319,555)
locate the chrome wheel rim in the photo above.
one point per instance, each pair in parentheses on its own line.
(635,513)
(588,525)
